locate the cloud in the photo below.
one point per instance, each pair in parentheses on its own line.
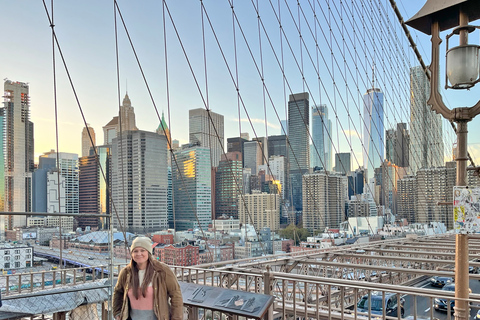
(351,133)
(258,121)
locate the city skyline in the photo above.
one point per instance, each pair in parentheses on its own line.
(99,110)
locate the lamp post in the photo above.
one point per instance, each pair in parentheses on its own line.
(462,72)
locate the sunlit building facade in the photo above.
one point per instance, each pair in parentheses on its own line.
(88,140)
(191,182)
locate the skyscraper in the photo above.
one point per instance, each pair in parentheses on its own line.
(435,185)
(140,181)
(321,130)
(407,199)
(252,156)
(63,190)
(192,187)
(126,115)
(86,142)
(163,130)
(373,131)
(299,148)
(343,162)
(125,119)
(260,210)
(93,191)
(426,140)
(17,151)
(397,144)
(204,126)
(324,197)
(228,185)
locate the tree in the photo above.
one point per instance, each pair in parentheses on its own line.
(295,233)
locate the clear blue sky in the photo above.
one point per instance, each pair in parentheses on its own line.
(85,30)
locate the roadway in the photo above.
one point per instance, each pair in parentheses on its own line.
(425,307)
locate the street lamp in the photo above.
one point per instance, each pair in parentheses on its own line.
(462,72)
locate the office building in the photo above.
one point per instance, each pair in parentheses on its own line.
(260,210)
(88,140)
(324,197)
(39,183)
(275,169)
(435,185)
(252,156)
(163,130)
(321,135)
(426,139)
(373,131)
(17,152)
(206,128)
(299,148)
(125,121)
(397,142)
(140,181)
(407,198)
(192,187)
(343,162)
(93,191)
(63,190)
(228,185)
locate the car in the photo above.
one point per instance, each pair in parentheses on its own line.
(477,316)
(440,281)
(392,304)
(441,303)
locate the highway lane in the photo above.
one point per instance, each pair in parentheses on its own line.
(425,305)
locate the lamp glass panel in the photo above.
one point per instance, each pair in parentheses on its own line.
(463,65)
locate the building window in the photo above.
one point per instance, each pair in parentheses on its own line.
(27,256)
(7,265)
(17,251)
(7,258)
(7,252)
(28,250)
(17,264)
(17,257)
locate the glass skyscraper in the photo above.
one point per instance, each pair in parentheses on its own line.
(426,140)
(299,148)
(373,131)
(322,146)
(203,128)
(192,187)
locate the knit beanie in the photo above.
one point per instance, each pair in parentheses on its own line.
(143,242)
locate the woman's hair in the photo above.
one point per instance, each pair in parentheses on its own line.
(134,279)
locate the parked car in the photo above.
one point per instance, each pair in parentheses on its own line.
(392,305)
(440,281)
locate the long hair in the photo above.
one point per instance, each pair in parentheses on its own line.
(134,280)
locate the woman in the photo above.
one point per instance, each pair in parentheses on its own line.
(144,287)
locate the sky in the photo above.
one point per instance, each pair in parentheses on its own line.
(86,34)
